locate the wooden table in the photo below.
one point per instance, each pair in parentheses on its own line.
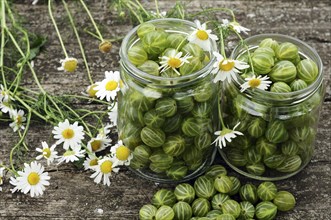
(73,195)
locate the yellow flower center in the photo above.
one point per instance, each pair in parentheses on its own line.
(70,65)
(93,162)
(111,85)
(68,133)
(174,62)
(122,153)
(69,153)
(106,167)
(91,91)
(96,145)
(33,178)
(19,119)
(47,152)
(226,66)
(202,35)
(253,83)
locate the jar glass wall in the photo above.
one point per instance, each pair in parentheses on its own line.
(279,127)
(167,122)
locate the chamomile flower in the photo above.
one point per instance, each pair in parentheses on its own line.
(112,114)
(122,153)
(70,134)
(98,143)
(256,83)
(68,64)
(5,106)
(104,170)
(71,155)
(32,179)
(226,135)
(18,119)
(173,60)
(90,91)
(225,68)
(234,26)
(4,94)
(201,36)
(108,87)
(2,169)
(90,162)
(47,152)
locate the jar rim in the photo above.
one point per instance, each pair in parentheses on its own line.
(143,76)
(286,96)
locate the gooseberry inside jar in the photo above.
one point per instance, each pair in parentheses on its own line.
(277,102)
(166,106)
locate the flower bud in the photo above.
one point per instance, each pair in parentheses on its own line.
(105,46)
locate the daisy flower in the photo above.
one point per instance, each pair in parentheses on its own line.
(256,82)
(225,68)
(201,36)
(71,155)
(173,60)
(4,94)
(5,106)
(234,26)
(104,169)
(90,91)
(1,176)
(32,179)
(112,114)
(48,153)
(18,119)
(90,162)
(122,153)
(109,86)
(226,135)
(70,134)
(98,143)
(68,64)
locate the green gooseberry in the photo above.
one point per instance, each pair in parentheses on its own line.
(152,137)
(266,50)
(247,210)
(223,184)
(140,101)
(290,164)
(236,157)
(150,67)
(165,213)
(155,42)
(190,127)
(135,116)
(218,201)
(267,191)
(204,92)
(284,201)
(184,103)
(235,186)
(231,207)
(269,42)
(182,210)
(161,159)
(138,164)
(280,87)
(204,187)
(166,107)
(174,145)
(283,71)
(307,70)
(276,132)
(241,142)
(193,66)
(193,50)
(257,169)
(142,153)
(265,210)
(163,197)
(213,214)
(248,192)
(145,28)
(192,155)
(290,148)
(147,212)
(275,160)
(185,192)
(172,124)
(287,51)
(153,119)
(226,217)
(252,155)
(262,63)
(137,55)
(203,141)
(299,134)
(216,170)
(256,127)
(298,84)
(176,41)
(202,110)
(200,207)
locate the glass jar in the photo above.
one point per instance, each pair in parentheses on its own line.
(278,129)
(167,122)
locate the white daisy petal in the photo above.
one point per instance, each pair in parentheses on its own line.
(121,153)
(201,36)
(103,170)
(226,135)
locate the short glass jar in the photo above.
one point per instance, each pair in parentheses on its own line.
(174,145)
(279,128)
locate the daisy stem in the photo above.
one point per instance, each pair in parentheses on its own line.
(56,28)
(220,110)
(157,8)
(222,43)
(134,13)
(142,8)
(248,51)
(78,40)
(92,20)
(3,28)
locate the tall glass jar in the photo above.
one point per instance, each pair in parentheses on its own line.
(279,128)
(167,122)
